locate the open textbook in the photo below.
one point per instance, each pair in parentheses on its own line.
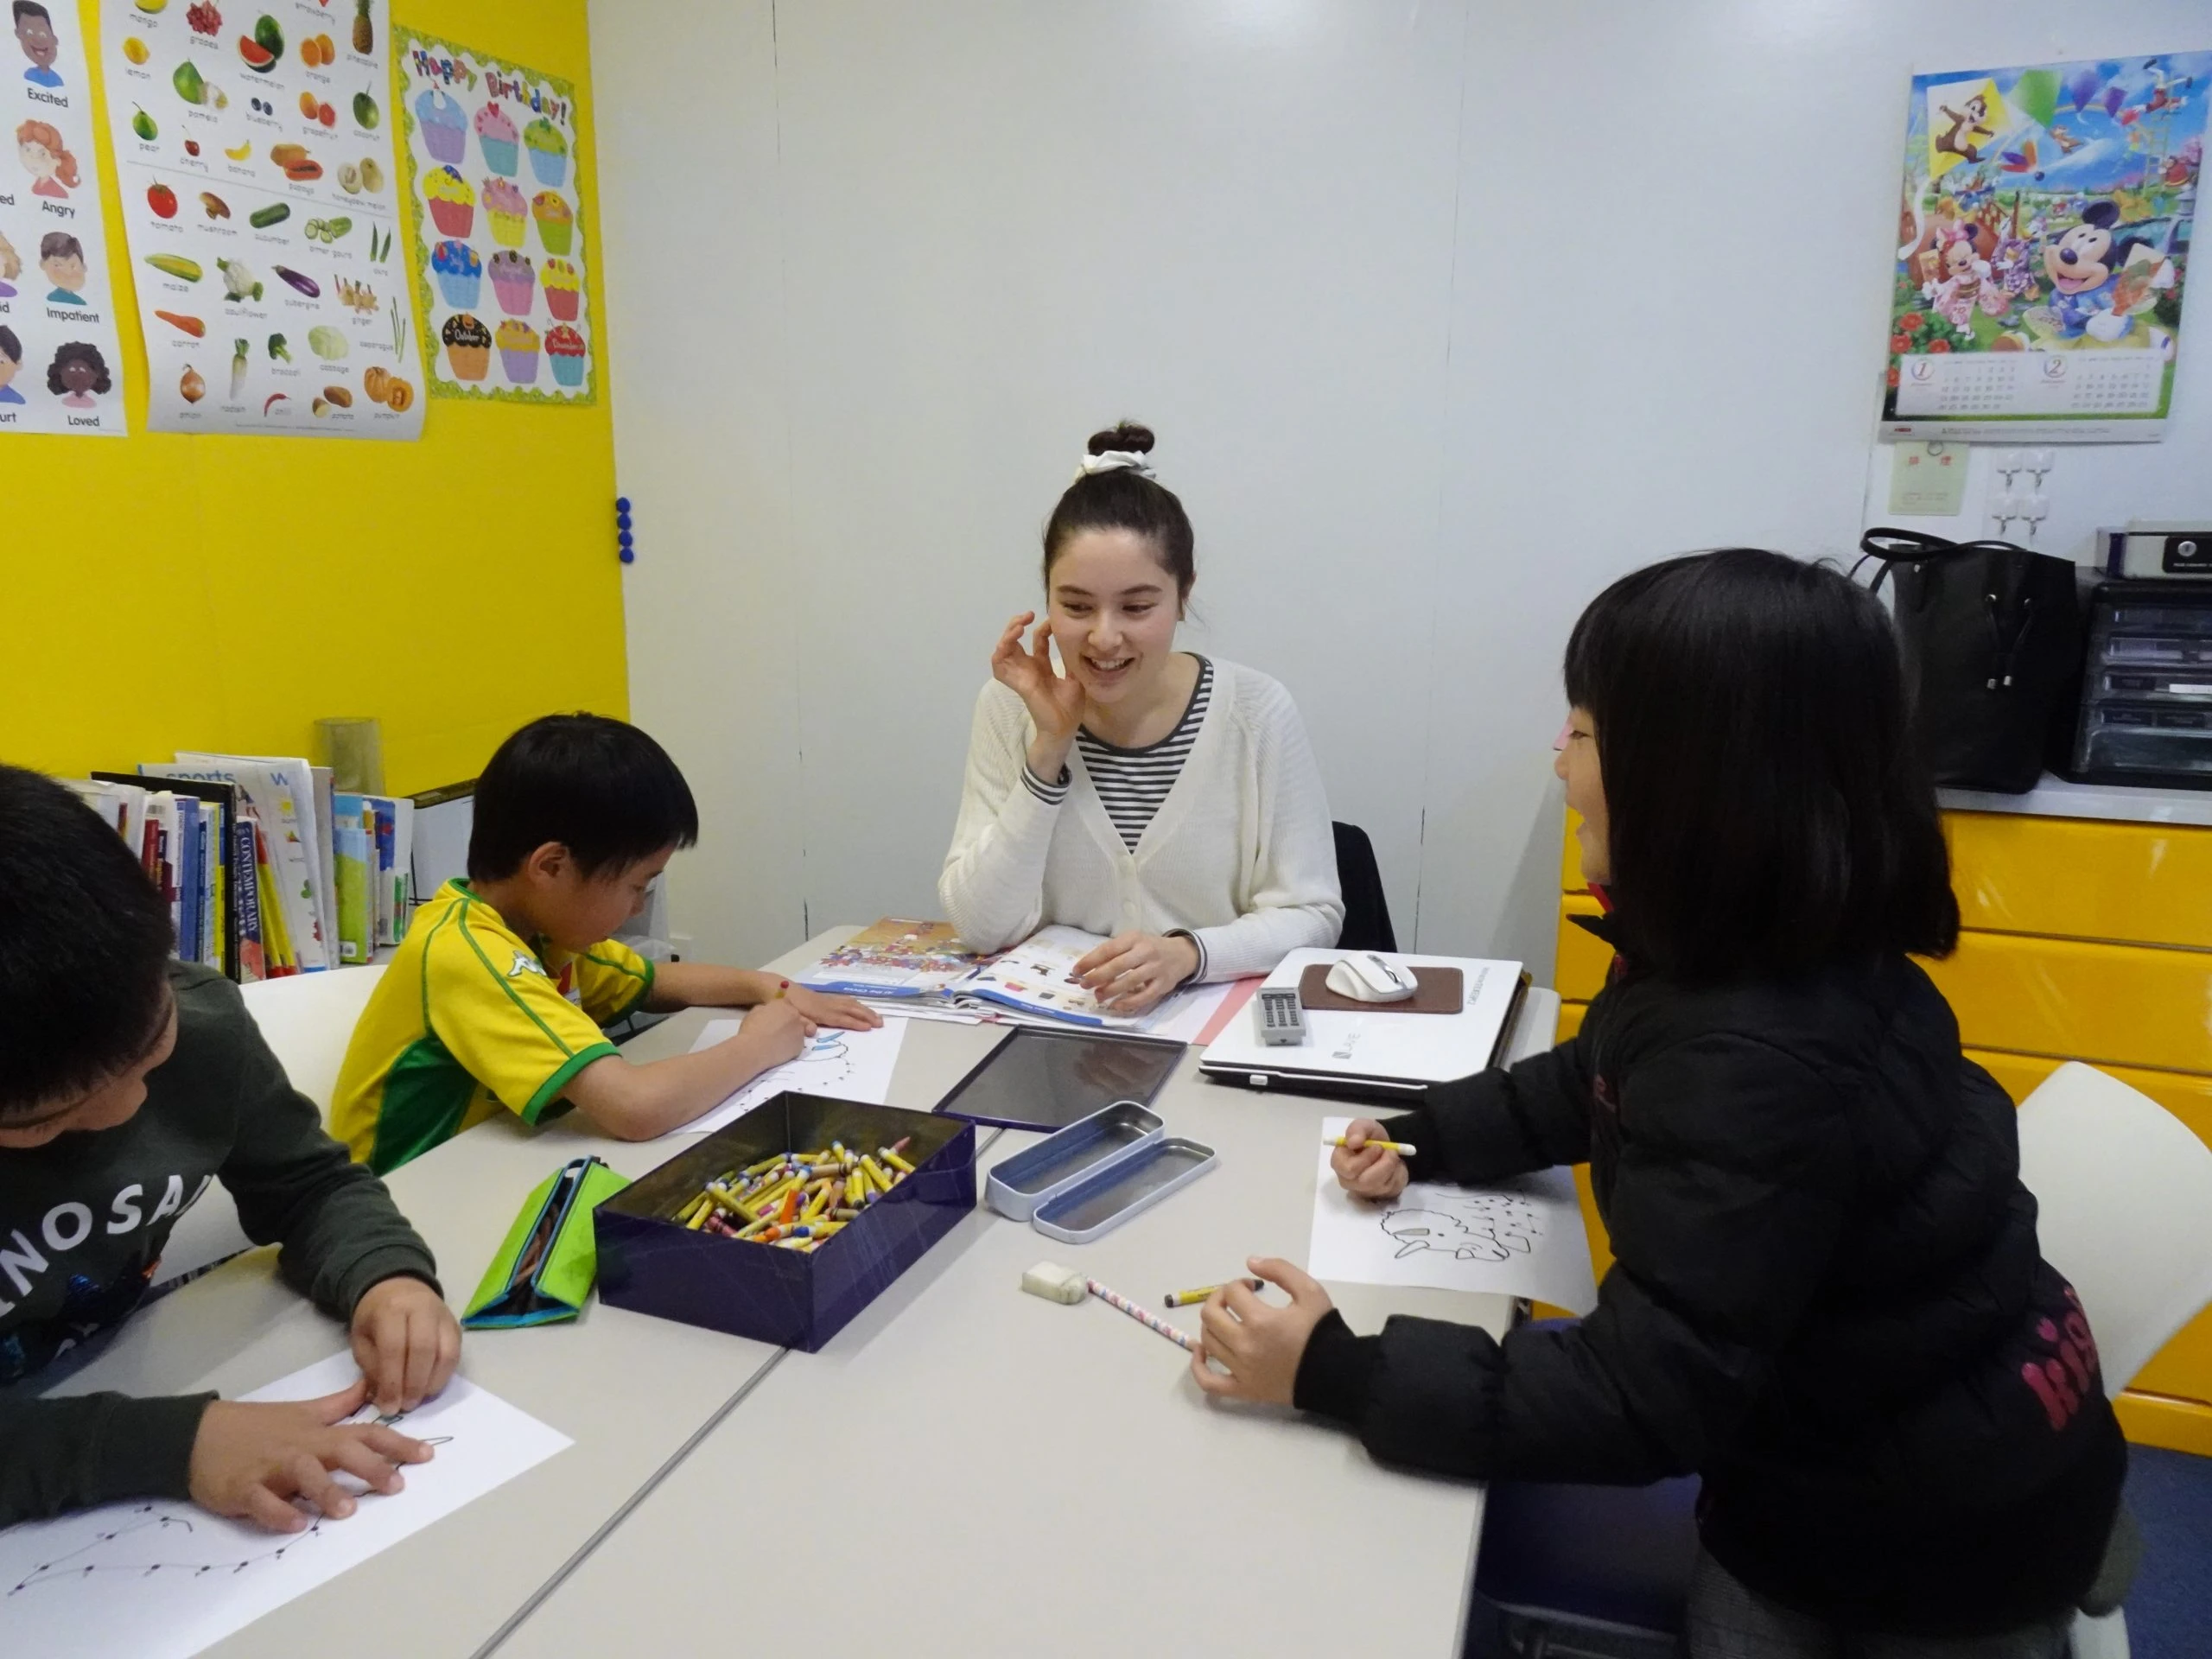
(926,963)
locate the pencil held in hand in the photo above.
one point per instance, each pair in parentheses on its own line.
(1192,1298)
(1404,1149)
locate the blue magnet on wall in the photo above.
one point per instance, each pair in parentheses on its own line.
(624,538)
(622,504)
(629,556)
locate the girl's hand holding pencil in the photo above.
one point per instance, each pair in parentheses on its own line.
(1365,1165)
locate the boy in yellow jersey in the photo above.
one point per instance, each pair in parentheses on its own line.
(496,1000)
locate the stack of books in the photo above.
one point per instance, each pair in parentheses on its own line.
(267,869)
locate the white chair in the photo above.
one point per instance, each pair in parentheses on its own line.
(2124,1195)
(307,1019)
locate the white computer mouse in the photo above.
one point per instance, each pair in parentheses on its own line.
(1365,976)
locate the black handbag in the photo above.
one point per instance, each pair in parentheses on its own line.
(1991,633)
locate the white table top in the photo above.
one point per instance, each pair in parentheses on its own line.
(631,1390)
(973,1386)
(998,1473)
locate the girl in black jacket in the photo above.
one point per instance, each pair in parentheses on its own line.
(1827,1298)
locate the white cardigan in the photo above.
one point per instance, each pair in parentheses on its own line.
(1239,855)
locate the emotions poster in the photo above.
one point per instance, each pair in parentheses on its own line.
(2042,247)
(254,155)
(61,368)
(499,233)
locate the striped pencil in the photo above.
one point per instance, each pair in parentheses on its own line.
(1150,1321)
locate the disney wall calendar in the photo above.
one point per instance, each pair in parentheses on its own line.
(2042,248)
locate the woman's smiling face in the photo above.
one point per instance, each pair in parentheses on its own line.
(78,375)
(1114,608)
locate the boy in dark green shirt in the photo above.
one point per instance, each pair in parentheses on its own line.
(127,1082)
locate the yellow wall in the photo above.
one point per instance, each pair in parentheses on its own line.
(163,592)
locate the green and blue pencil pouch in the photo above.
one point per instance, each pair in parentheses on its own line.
(544,1271)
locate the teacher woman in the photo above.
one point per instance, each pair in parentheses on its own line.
(1162,798)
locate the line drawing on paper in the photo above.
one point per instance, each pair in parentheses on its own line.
(1478,1227)
(175,1527)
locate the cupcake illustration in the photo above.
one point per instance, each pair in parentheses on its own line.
(509,212)
(453,204)
(445,129)
(519,352)
(549,151)
(513,282)
(555,223)
(564,349)
(564,290)
(497,136)
(460,274)
(468,347)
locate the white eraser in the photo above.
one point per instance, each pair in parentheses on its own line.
(1054,1282)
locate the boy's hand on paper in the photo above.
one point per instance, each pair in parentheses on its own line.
(406,1342)
(845,1012)
(1132,971)
(1054,700)
(1368,1171)
(250,1460)
(777,1030)
(1259,1346)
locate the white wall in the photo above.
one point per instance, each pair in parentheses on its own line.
(1446,314)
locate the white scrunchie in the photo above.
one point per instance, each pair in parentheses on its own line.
(1115,460)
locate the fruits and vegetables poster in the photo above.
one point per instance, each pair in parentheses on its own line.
(61,368)
(2042,240)
(499,225)
(254,152)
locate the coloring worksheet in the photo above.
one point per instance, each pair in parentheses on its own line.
(160,1579)
(253,149)
(848,1064)
(60,362)
(1523,1238)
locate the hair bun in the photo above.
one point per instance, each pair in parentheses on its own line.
(1125,436)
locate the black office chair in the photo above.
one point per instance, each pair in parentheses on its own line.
(1367,911)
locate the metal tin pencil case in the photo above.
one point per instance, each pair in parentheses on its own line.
(1016,1186)
(1109,1196)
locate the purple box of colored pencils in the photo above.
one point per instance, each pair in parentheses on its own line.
(652,1264)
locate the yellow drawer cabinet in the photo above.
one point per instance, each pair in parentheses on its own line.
(2083,940)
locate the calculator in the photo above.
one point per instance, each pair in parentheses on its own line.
(1277,1016)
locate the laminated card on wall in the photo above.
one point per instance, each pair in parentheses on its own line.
(61,368)
(255,156)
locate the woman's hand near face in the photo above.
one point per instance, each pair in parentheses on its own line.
(1132,971)
(1054,700)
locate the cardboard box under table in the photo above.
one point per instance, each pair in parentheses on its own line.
(795,1298)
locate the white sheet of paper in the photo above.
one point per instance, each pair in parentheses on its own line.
(1522,1238)
(850,1065)
(160,1579)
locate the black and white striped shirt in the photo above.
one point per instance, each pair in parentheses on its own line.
(1132,783)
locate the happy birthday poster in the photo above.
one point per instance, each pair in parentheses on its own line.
(60,362)
(2042,247)
(499,225)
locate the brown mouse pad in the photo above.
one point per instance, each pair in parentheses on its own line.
(1441,990)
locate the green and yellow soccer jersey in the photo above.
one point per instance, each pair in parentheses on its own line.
(469,1019)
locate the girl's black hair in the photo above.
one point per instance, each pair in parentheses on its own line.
(1125,500)
(82,352)
(84,940)
(1767,812)
(600,787)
